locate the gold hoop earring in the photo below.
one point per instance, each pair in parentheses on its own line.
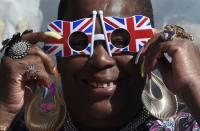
(46,112)
(165,106)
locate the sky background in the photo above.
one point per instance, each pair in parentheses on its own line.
(173,10)
(182,12)
(164,10)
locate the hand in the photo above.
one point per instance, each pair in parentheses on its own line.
(182,74)
(184,68)
(16,88)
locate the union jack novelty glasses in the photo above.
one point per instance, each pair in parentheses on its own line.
(120,34)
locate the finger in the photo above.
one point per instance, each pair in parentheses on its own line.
(41,37)
(152,55)
(46,59)
(42,80)
(143,50)
(165,68)
(34,69)
(148,51)
(156,31)
(29,90)
(150,42)
(163,65)
(154,49)
(157,49)
(156,34)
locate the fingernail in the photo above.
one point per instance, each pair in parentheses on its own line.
(53,35)
(142,72)
(149,72)
(138,55)
(52,89)
(45,93)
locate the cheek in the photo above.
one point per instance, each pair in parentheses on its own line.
(127,67)
(126,64)
(70,66)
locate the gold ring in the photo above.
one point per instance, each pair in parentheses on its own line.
(176,31)
(31,72)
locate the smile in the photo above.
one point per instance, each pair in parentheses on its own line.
(100,89)
(102,84)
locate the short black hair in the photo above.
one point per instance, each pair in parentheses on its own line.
(61,9)
(144,8)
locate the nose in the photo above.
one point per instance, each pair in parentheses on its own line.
(101,58)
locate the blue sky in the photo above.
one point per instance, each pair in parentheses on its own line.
(181,12)
(187,10)
(164,10)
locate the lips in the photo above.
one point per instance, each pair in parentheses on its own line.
(100,88)
(101,84)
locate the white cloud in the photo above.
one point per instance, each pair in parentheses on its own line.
(187,9)
(181,12)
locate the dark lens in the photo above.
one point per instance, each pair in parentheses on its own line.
(120,38)
(78,41)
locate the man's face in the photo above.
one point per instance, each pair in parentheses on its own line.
(101,91)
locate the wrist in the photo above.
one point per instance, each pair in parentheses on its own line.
(7,116)
(190,94)
(190,91)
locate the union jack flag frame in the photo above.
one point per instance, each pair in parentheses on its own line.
(139,28)
(65,29)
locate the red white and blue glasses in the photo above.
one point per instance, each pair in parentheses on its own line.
(120,35)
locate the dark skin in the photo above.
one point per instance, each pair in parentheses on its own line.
(107,112)
(112,110)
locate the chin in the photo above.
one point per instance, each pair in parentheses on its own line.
(101,110)
(101,115)
(101,105)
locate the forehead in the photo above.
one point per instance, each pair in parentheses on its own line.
(76,9)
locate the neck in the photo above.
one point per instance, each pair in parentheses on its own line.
(132,124)
(115,124)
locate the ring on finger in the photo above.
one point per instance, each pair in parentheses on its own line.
(172,31)
(18,50)
(31,71)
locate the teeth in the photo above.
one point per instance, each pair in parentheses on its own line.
(111,84)
(102,85)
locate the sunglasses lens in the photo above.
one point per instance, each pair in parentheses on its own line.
(120,38)
(78,41)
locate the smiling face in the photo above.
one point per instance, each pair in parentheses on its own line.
(101,91)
